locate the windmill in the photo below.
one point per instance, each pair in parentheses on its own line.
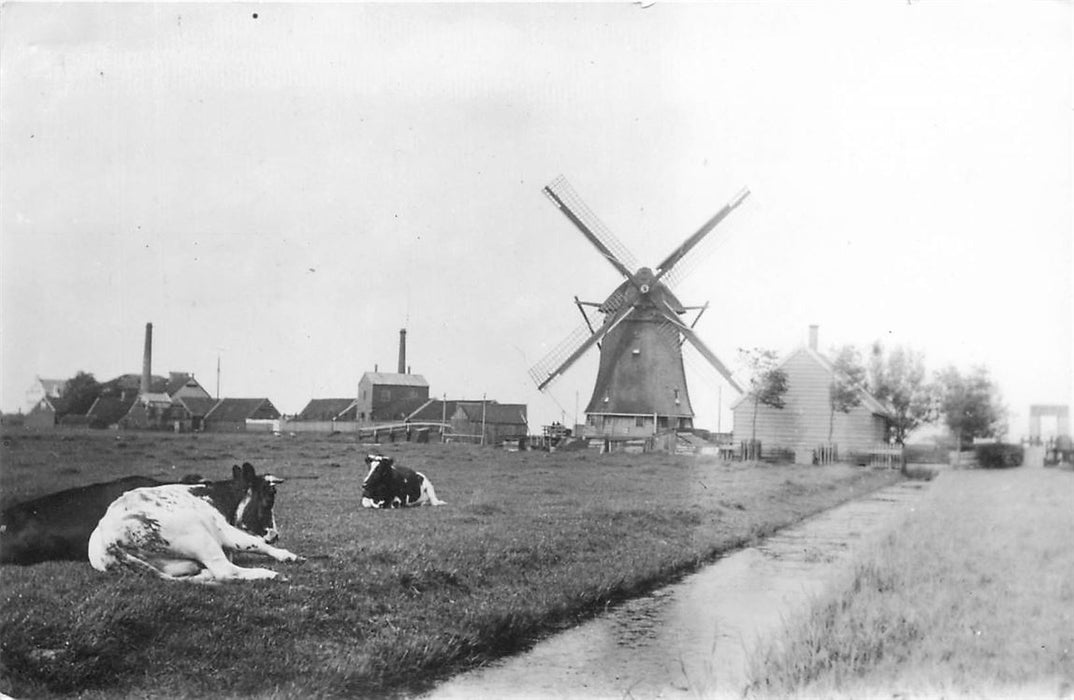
(641,384)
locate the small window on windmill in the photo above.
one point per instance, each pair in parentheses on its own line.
(676,397)
(636,352)
(605,399)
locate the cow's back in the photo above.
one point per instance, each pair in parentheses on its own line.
(58,526)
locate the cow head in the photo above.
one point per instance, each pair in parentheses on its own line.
(254,512)
(377,483)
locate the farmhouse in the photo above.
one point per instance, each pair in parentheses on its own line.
(801,426)
(390,396)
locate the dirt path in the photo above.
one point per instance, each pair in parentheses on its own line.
(691,639)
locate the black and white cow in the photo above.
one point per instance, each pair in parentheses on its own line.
(182,532)
(390,486)
(58,526)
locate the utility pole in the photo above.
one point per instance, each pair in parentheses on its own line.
(483,420)
(719,408)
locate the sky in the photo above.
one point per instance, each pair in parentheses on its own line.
(283,187)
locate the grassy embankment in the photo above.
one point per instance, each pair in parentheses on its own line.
(530,542)
(973,596)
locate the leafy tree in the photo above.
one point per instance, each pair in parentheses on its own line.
(79,393)
(970,404)
(848,381)
(768,383)
(897,378)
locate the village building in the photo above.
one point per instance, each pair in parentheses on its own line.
(43,388)
(385,397)
(801,426)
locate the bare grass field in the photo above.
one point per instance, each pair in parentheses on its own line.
(972,597)
(388,602)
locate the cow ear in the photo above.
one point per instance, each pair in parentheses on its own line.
(248,474)
(236,473)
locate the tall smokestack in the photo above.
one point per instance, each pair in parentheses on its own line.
(814,332)
(402,351)
(147,358)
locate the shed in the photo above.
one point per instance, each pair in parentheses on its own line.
(390,396)
(802,424)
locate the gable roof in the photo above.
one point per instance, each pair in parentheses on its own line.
(107,410)
(329,409)
(394,379)
(197,406)
(869,401)
(236,410)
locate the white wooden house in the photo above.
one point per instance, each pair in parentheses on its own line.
(802,425)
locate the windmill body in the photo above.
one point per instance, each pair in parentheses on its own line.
(640,388)
(641,383)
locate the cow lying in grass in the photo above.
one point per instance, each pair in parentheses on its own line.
(58,526)
(182,532)
(390,486)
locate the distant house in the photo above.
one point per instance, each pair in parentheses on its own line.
(329,410)
(230,415)
(41,388)
(496,421)
(387,396)
(45,412)
(802,424)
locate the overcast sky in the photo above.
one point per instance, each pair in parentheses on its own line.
(286,186)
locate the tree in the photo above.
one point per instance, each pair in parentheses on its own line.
(848,381)
(768,383)
(970,404)
(898,379)
(79,393)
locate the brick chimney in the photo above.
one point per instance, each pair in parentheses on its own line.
(402,351)
(147,359)
(814,331)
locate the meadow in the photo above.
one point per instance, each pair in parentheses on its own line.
(387,602)
(972,597)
